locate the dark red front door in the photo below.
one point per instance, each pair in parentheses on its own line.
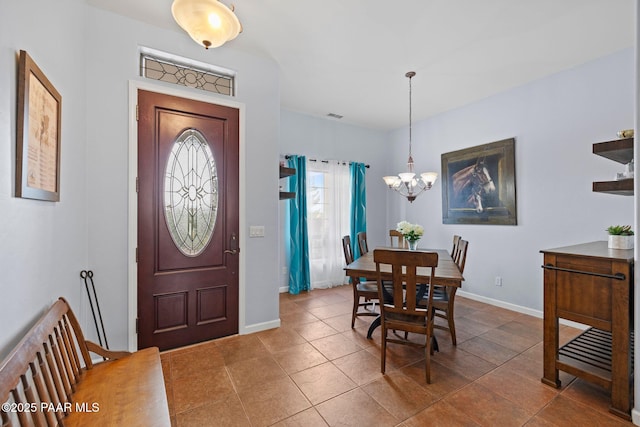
(188,221)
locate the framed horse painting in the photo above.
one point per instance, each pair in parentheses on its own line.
(479,185)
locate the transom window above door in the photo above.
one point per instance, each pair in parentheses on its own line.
(173,69)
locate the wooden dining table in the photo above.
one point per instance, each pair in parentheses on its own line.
(447,272)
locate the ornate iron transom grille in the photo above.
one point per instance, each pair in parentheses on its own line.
(191,193)
(169,71)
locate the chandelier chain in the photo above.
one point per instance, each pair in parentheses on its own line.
(410,103)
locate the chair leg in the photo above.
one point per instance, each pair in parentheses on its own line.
(427,359)
(450,320)
(452,328)
(383,349)
(356,302)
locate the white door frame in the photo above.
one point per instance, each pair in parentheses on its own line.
(134,85)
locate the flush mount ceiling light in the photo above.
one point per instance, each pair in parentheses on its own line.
(208,22)
(408,183)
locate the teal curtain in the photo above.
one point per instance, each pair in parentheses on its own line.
(299,275)
(358,204)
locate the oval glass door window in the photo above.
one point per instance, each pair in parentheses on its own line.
(191,193)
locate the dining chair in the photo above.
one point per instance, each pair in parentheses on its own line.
(454,249)
(367,290)
(402,312)
(396,239)
(444,296)
(361,237)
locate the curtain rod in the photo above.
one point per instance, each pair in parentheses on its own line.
(327,161)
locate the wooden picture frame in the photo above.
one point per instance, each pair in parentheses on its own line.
(479,185)
(39,117)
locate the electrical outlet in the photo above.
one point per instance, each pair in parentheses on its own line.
(285,271)
(498,281)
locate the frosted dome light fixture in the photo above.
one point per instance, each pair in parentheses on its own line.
(208,22)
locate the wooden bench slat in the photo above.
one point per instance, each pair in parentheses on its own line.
(6,422)
(50,387)
(22,416)
(36,416)
(59,357)
(69,345)
(37,376)
(64,389)
(58,396)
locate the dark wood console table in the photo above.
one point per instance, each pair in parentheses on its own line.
(592,285)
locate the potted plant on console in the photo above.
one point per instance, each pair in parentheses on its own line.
(620,237)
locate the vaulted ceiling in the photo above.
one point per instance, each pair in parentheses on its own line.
(349,57)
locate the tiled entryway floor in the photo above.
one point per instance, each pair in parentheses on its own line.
(316,371)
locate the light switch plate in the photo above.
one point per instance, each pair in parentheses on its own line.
(256,231)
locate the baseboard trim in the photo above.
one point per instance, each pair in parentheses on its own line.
(517,308)
(506,305)
(257,327)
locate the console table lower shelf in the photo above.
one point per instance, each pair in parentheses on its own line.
(589,356)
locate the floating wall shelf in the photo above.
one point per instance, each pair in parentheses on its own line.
(621,151)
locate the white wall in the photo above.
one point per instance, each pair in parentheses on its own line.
(90,56)
(44,244)
(329,139)
(555,121)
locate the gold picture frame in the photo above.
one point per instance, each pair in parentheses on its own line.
(479,185)
(39,119)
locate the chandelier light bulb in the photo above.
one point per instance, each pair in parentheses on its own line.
(391,181)
(406,176)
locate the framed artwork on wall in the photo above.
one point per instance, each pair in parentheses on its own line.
(479,185)
(38,134)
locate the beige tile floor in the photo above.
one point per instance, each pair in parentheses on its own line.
(316,371)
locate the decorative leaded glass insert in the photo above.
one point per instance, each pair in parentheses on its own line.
(191,193)
(168,68)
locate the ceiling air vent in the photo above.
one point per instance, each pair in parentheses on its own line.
(334,116)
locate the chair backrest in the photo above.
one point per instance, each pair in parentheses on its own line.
(348,256)
(462,254)
(396,239)
(346,248)
(404,266)
(454,249)
(362,242)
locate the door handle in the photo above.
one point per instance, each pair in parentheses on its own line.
(233,245)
